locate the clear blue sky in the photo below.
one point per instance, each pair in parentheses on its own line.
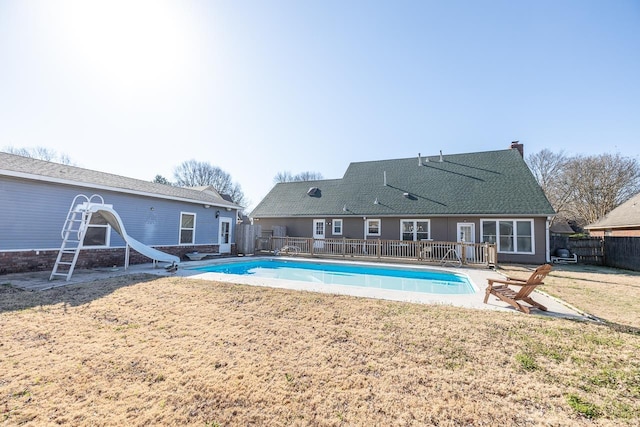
(258,87)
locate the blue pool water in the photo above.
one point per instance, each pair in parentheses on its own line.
(393,278)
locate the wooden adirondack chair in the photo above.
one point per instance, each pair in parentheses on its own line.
(511,297)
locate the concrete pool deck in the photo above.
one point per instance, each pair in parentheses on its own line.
(39,281)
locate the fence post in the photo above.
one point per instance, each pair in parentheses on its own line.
(311,245)
(344,246)
(485,253)
(379,248)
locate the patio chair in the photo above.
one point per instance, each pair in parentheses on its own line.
(511,296)
(288,250)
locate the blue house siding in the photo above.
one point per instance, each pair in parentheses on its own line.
(32,214)
(156,222)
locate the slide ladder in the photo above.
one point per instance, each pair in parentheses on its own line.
(73,232)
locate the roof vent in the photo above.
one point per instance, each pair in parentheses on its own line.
(441,159)
(313,191)
(419,160)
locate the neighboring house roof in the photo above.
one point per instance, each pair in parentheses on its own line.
(211,189)
(486,183)
(624,216)
(40,170)
(561,226)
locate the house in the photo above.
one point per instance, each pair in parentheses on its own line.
(623,221)
(476,197)
(35,198)
(561,227)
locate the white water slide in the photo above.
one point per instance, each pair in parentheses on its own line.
(113,219)
(76,225)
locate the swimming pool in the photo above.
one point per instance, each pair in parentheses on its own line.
(419,280)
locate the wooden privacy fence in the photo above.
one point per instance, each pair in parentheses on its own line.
(452,253)
(245,238)
(618,252)
(590,250)
(622,252)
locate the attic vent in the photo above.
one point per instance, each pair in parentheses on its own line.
(312,191)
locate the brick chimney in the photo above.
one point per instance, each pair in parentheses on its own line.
(518,146)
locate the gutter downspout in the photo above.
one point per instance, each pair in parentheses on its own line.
(548,249)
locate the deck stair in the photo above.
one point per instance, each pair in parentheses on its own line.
(73,233)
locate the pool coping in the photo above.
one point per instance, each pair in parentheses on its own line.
(477,276)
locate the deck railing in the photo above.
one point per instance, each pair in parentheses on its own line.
(452,253)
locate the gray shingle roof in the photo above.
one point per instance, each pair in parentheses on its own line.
(11,164)
(625,215)
(486,183)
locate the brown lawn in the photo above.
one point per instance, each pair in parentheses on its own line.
(143,350)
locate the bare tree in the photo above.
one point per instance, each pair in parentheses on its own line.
(286,176)
(159,179)
(40,153)
(236,194)
(599,184)
(308,176)
(548,169)
(585,188)
(193,173)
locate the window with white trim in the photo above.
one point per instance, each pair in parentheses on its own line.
(337,227)
(187,228)
(98,232)
(373,227)
(510,235)
(415,229)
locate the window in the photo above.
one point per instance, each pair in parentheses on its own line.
(187,228)
(414,229)
(337,227)
(97,232)
(489,232)
(511,235)
(373,227)
(524,236)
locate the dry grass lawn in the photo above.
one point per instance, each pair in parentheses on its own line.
(143,350)
(608,293)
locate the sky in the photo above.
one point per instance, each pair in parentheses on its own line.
(136,87)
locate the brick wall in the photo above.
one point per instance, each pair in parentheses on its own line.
(26,261)
(616,232)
